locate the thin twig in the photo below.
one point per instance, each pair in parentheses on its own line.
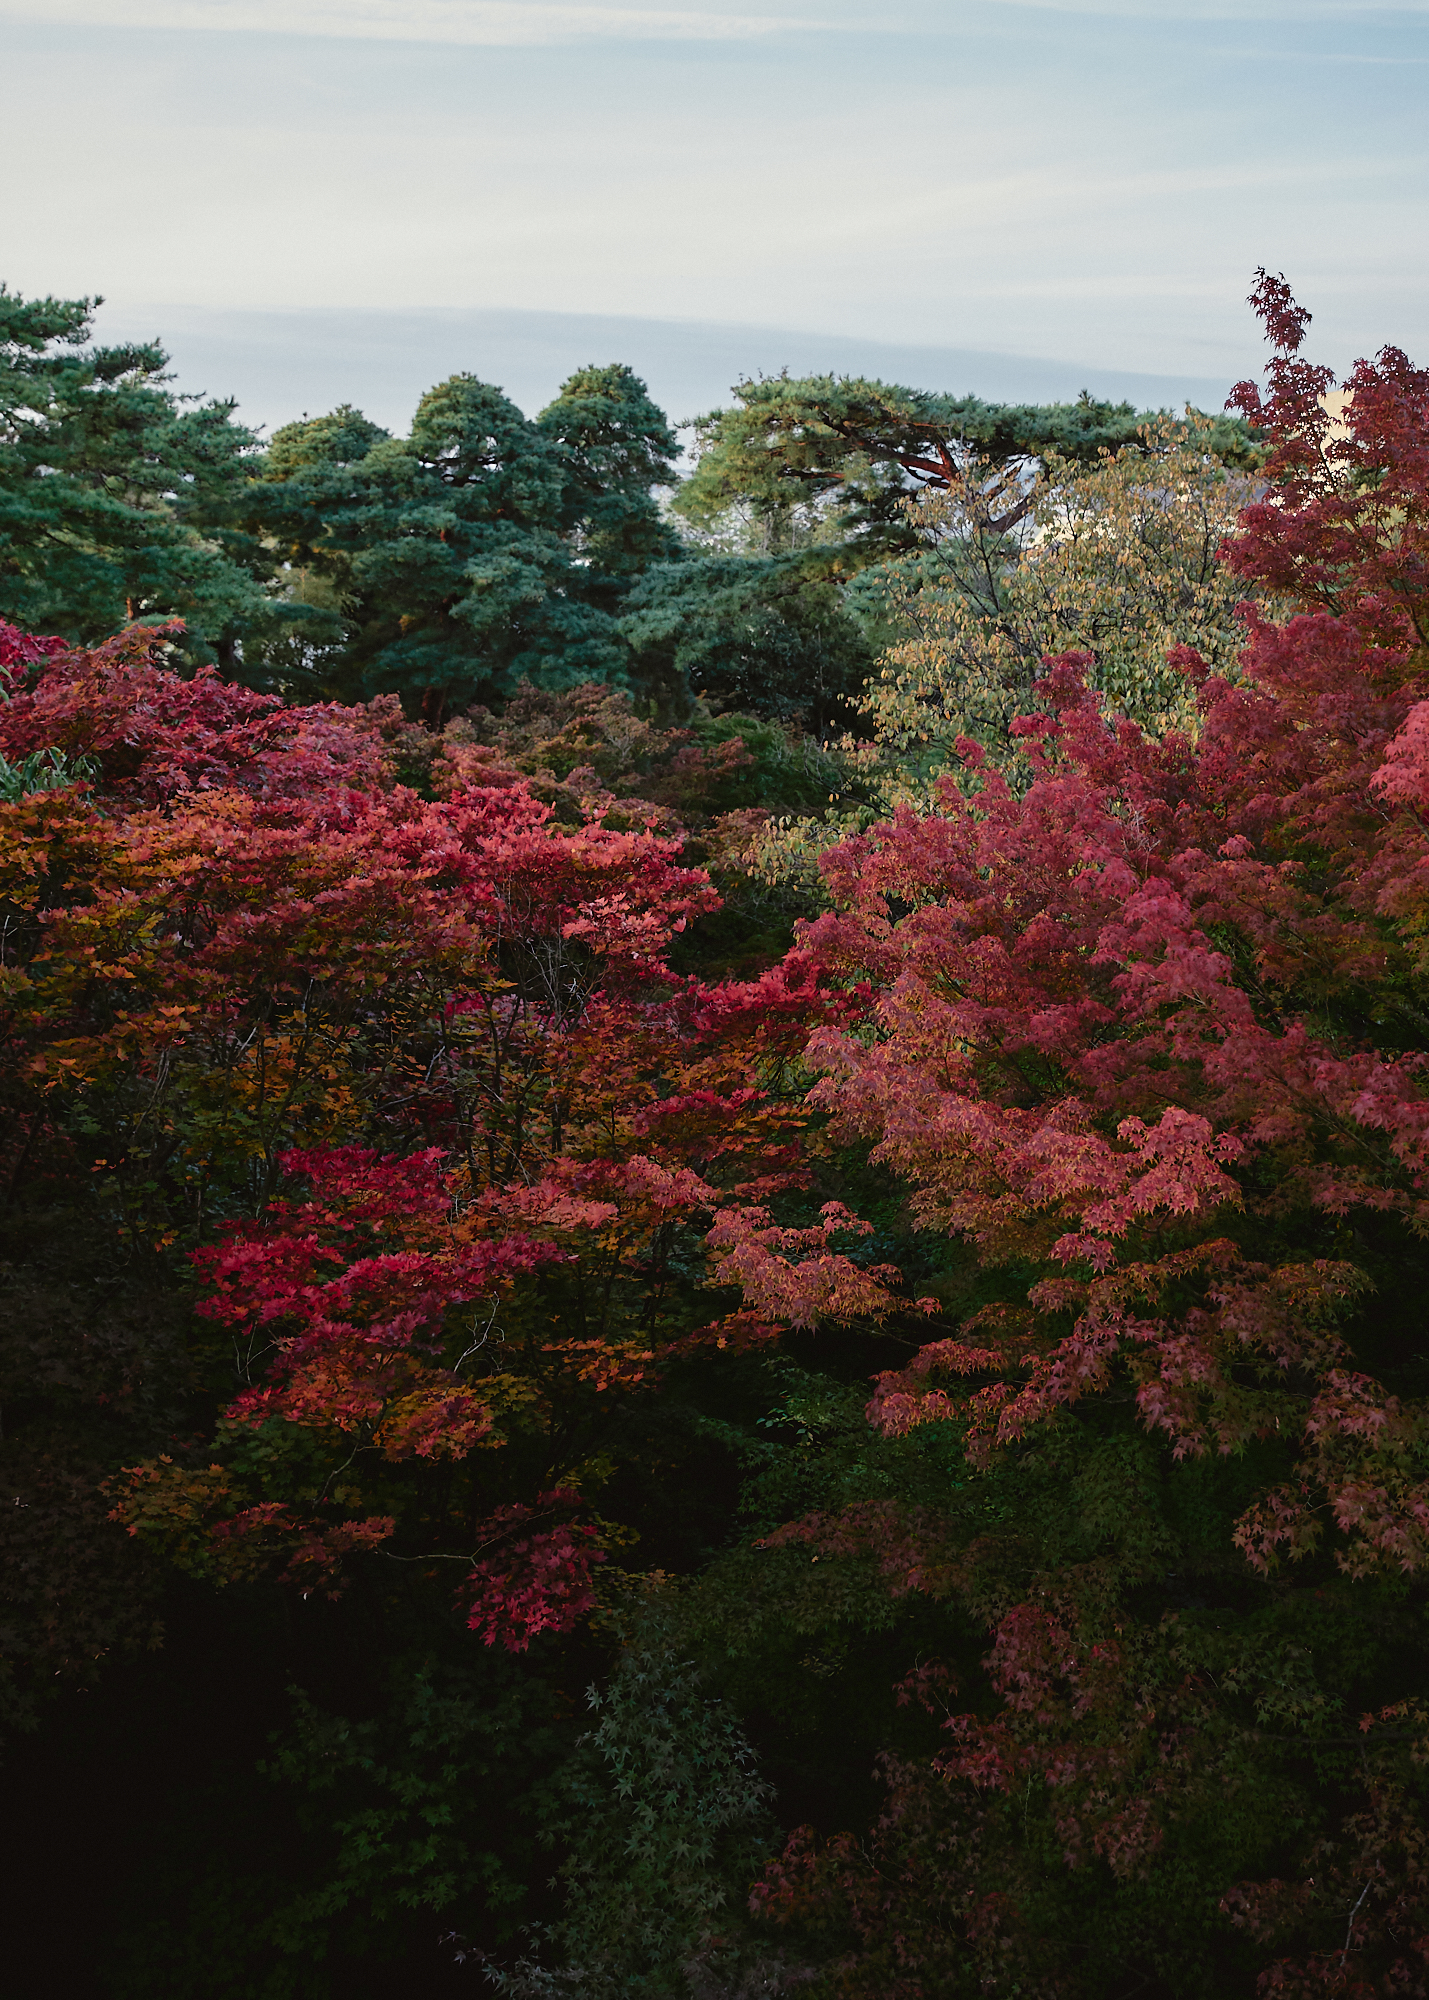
(1350,1927)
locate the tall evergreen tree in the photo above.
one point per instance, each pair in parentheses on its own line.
(616,448)
(117,496)
(857,449)
(468,555)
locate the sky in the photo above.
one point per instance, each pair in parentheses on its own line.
(317,200)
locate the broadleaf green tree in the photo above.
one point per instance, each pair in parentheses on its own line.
(1116,558)
(662,1816)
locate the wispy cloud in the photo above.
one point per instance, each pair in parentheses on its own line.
(1173,11)
(534,23)
(495,23)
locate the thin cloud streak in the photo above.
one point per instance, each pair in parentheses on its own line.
(1173,13)
(1000,198)
(473,23)
(554,23)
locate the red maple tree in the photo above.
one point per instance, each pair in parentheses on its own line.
(1149,1040)
(416,1075)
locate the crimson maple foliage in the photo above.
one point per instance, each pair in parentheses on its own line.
(417,1077)
(1149,1040)
(21,650)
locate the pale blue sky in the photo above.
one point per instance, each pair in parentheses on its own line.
(1091,185)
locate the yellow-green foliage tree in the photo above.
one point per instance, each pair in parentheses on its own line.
(1115,558)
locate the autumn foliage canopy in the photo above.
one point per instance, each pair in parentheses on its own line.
(1130,1060)
(1149,1039)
